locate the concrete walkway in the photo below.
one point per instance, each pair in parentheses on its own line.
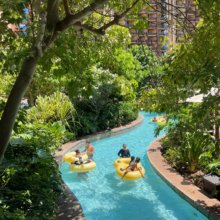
(194,195)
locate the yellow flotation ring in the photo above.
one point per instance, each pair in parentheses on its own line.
(161,122)
(82,168)
(121,160)
(122,163)
(131,175)
(70,157)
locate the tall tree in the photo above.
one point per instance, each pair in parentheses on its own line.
(45,22)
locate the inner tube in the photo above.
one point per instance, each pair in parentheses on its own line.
(70,157)
(82,168)
(161,122)
(123,163)
(131,175)
(121,160)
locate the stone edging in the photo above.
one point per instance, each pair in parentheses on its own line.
(208,206)
(69,206)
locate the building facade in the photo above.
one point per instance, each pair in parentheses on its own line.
(168,22)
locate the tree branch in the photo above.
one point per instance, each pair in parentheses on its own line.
(118,17)
(89,28)
(66,8)
(101,31)
(106,14)
(70,20)
(40,36)
(52,14)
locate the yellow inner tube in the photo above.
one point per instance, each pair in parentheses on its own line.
(121,160)
(70,157)
(123,163)
(83,167)
(161,122)
(131,175)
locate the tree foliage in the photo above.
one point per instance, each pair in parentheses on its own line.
(46,22)
(191,68)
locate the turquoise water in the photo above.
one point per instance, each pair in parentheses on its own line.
(103,195)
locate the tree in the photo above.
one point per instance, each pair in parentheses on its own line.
(192,68)
(47,21)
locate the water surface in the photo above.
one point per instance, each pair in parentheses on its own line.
(104,196)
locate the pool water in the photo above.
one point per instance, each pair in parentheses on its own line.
(103,195)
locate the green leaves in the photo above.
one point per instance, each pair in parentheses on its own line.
(51,109)
(140,24)
(30,177)
(214,167)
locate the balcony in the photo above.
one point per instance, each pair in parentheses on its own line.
(164,25)
(152,38)
(153,2)
(163,18)
(134,38)
(164,47)
(152,15)
(153,24)
(152,34)
(152,18)
(163,33)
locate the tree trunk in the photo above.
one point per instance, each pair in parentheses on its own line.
(13,102)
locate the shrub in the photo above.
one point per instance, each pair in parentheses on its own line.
(193,146)
(50,135)
(214,167)
(174,157)
(53,108)
(128,112)
(30,180)
(111,115)
(195,151)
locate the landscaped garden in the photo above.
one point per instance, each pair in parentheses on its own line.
(73,72)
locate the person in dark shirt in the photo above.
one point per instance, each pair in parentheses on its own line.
(124,152)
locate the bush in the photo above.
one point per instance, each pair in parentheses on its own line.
(111,115)
(128,112)
(194,145)
(53,108)
(30,179)
(214,167)
(173,156)
(30,182)
(50,135)
(195,152)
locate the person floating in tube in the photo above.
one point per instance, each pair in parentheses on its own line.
(124,152)
(78,155)
(89,150)
(132,167)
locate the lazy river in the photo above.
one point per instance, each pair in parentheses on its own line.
(103,195)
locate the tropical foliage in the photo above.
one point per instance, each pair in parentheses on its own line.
(191,68)
(56,107)
(85,81)
(30,180)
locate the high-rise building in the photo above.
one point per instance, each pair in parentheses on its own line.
(168,22)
